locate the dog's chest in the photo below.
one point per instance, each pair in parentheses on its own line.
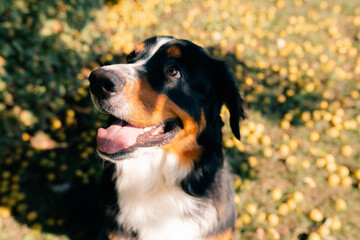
(153,204)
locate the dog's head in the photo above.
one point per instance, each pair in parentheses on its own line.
(169,95)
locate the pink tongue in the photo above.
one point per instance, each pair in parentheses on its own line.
(117,137)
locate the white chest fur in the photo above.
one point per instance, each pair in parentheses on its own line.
(152,202)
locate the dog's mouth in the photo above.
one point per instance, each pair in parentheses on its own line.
(121,137)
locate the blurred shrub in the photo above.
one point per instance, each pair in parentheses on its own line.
(47,127)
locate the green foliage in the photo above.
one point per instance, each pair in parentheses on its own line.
(46,122)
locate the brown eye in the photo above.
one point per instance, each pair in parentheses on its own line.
(174,72)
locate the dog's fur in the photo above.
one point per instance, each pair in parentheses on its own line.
(171,182)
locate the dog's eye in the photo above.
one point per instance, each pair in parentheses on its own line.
(174,72)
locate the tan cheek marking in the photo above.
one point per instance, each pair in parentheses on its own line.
(185,145)
(174,52)
(139,47)
(150,108)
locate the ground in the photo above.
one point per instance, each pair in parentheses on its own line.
(297,63)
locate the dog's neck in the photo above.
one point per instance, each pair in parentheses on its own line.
(151,200)
(149,170)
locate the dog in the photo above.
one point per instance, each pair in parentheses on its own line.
(167,177)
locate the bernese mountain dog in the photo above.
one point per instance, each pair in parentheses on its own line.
(166,178)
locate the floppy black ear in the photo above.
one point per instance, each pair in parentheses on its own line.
(231,98)
(200,180)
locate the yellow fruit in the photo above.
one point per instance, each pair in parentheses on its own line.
(60,222)
(284,150)
(273,219)
(50,222)
(31,216)
(350,124)
(259,130)
(283,209)
(323,5)
(293,144)
(321,162)
(310,87)
(251,208)
(246,218)
(324,104)
(335,224)
(346,150)
(237,182)
(36,227)
(252,139)
(314,236)
(228,143)
(284,124)
(317,115)
(276,194)
(280,3)
(334,180)
(331,167)
(340,205)
(6,174)
(268,152)
(249,81)
(343,171)
(357,174)
(238,223)
(252,126)
(51,177)
(291,160)
(298,196)
(265,140)
(309,124)
(252,161)
(285,137)
(281,98)
(261,217)
(355,94)
(324,230)
(63,167)
(305,164)
(291,203)
(346,181)
(239,145)
(316,215)
(330,158)
(336,9)
(5,212)
(327,116)
(244,131)
(314,136)
(25,137)
(306,116)
(358,116)
(56,123)
(21,207)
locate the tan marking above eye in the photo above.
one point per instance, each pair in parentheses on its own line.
(174,72)
(139,47)
(174,52)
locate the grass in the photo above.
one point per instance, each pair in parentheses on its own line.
(298,67)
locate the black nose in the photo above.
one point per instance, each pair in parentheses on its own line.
(104,83)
